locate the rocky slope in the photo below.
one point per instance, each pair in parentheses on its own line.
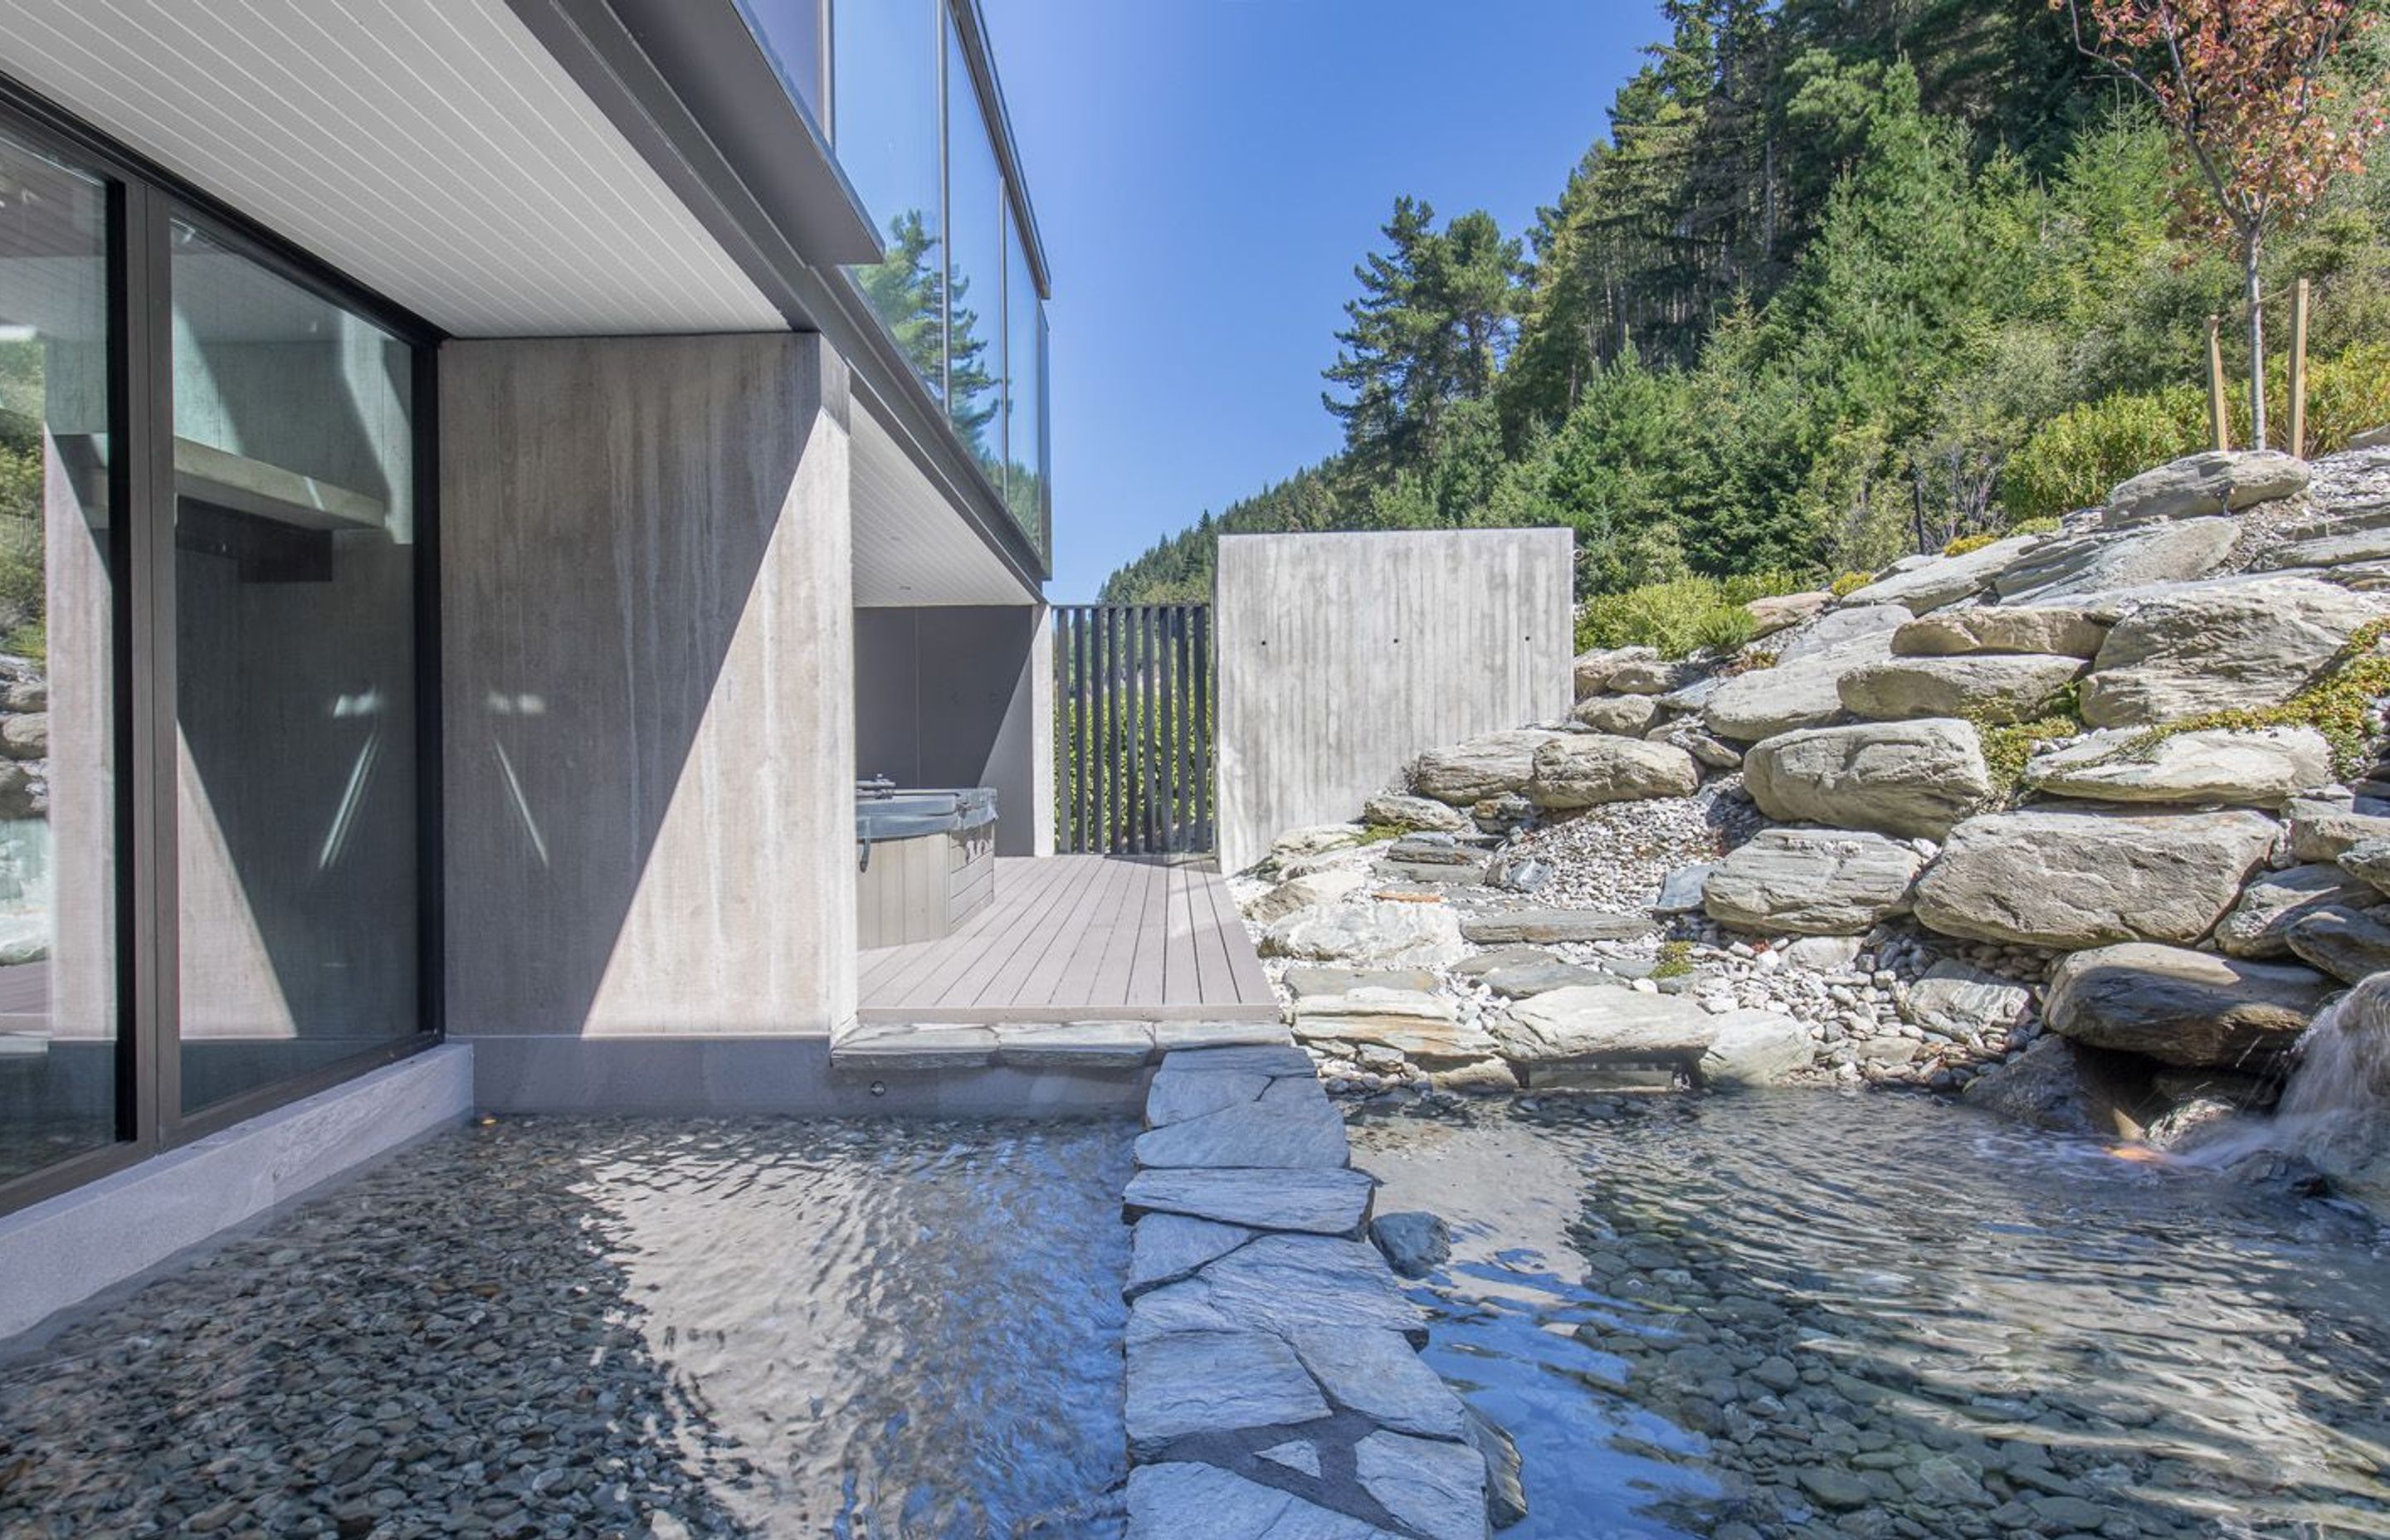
(2088,823)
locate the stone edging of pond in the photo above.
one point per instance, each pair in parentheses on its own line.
(1274,1379)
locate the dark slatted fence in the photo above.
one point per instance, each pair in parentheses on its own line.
(1133,728)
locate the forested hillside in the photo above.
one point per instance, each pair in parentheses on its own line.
(1844,279)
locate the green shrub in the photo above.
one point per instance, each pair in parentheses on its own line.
(2073,459)
(1680,616)
(2008,745)
(2035,526)
(1966,542)
(1849,584)
(1676,959)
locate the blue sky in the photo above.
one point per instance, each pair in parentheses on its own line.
(1206,173)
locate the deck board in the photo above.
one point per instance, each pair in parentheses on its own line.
(1080,938)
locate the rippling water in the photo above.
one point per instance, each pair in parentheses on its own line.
(577,1327)
(1814,1314)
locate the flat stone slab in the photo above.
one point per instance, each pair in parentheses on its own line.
(1075,1044)
(1605,1023)
(1280,1284)
(1502,957)
(1286,1133)
(1304,983)
(1437,1490)
(1270,1060)
(1185,1501)
(906,1048)
(1312,1202)
(1178,1094)
(1164,1248)
(1381,1376)
(1186,1037)
(1548,926)
(1196,1382)
(1520,984)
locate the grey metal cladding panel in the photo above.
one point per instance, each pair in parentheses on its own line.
(1342,656)
(704,49)
(431,148)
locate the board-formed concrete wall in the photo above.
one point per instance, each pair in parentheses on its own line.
(649,654)
(1342,656)
(962,695)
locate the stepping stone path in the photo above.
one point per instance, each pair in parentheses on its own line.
(1274,1382)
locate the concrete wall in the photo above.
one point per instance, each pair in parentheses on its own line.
(59,1253)
(962,695)
(648,647)
(1341,657)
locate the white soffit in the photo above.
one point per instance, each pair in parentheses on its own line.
(911,548)
(432,150)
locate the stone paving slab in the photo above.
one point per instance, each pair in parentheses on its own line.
(1213,1381)
(1284,1283)
(1178,1094)
(1164,1248)
(1075,1044)
(1186,1501)
(1313,1202)
(1275,1387)
(916,1048)
(1434,1488)
(1291,1134)
(1278,1059)
(1086,1047)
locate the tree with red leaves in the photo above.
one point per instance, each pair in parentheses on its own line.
(2245,86)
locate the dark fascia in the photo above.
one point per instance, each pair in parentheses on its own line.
(605,46)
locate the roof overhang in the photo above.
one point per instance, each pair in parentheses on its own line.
(434,150)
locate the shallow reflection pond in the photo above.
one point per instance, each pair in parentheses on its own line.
(1812,1314)
(551,1326)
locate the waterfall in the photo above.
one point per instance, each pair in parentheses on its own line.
(2344,1059)
(2334,1116)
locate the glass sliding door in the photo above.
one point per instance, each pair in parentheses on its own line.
(295,812)
(59,1065)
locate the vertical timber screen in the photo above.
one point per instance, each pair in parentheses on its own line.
(1133,702)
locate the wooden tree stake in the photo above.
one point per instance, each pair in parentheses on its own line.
(2299,441)
(2216,410)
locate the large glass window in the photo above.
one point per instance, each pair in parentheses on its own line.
(974,271)
(792,34)
(887,126)
(1024,393)
(294,571)
(59,1060)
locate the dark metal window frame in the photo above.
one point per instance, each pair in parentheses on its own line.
(143,200)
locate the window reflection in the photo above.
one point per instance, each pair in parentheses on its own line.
(58,957)
(954,289)
(887,124)
(1024,368)
(974,272)
(294,558)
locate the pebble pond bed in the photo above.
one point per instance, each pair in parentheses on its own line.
(1812,1314)
(576,1328)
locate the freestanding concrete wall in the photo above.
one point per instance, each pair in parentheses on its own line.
(647,646)
(1341,657)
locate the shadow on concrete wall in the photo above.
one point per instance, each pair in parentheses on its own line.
(645,587)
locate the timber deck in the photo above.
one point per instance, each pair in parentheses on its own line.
(1079,938)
